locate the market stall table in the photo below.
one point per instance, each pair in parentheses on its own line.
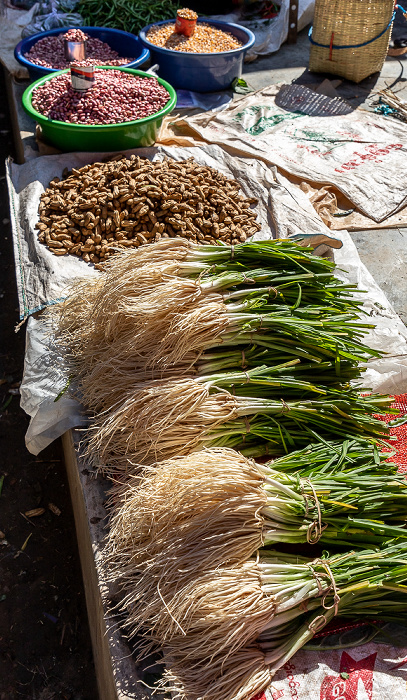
(115,667)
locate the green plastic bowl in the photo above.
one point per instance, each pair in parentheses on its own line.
(103,137)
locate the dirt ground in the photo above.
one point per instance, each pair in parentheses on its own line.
(45,649)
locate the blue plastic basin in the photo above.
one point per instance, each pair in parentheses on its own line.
(126,45)
(201,72)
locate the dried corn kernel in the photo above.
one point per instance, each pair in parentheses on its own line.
(205,39)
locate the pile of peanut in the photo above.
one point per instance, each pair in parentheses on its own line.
(127,202)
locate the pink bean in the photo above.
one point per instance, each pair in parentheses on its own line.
(114,97)
(49,52)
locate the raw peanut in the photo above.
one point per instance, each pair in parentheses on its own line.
(155,229)
(34,512)
(131,202)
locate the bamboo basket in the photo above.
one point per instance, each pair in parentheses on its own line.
(350,23)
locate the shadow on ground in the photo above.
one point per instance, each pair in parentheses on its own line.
(45,650)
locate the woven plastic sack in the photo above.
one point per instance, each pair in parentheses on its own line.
(362,25)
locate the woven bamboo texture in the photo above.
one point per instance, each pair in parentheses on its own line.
(349,22)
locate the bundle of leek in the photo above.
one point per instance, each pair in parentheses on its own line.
(190,515)
(157,310)
(226,652)
(161,419)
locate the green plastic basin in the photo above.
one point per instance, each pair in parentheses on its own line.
(103,137)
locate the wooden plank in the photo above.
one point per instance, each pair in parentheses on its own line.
(101,652)
(117,673)
(293,22)
(18,144)
(23,126)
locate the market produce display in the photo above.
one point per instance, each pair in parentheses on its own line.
(49,51)
(205,39)
(128,15)
(253,497)
(245,350)
(115,97)
(97,209)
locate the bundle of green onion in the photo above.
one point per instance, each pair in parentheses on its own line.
(161,419)
(160,306)
(212,509)
(227,652)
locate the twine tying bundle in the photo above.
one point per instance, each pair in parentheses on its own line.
(316,528)
(320,621)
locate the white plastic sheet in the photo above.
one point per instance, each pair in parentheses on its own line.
(43,380)
(11,25)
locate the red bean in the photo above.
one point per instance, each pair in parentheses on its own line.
(49,52)
(114,97)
